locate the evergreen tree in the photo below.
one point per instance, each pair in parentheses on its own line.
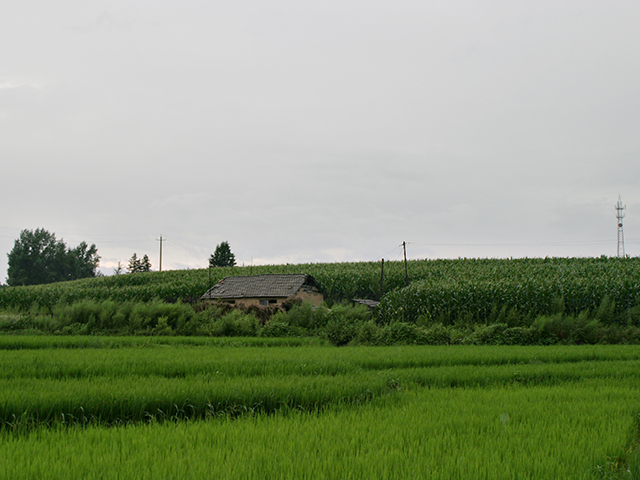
(135,264)
(222,257)
(145,265)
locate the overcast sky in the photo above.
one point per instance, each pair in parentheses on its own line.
(321,131)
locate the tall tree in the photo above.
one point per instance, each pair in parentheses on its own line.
(135,264)
(222,257)
(38,257)
(83,261)
(145,264)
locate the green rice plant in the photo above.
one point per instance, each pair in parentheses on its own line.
(314,411)
(132,384)
(37,342)
(563,431)
(59,357)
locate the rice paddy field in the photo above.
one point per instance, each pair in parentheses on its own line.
(192,408)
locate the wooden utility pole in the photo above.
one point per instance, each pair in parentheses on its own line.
(406,270)
(381,278)
(160,240)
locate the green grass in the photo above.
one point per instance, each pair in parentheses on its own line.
(209,410)
(33,342)
(568,432)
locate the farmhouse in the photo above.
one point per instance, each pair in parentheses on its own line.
(266,290)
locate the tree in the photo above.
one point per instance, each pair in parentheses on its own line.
(134,263)
(83,261)
(137,265)
(145,265)
(222,257)
(38,257)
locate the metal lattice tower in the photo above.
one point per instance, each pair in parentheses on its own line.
(620,215)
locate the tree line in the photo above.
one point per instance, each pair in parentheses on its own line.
(38,257)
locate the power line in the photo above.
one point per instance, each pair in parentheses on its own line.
(516,244)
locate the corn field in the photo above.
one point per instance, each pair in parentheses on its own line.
(473,290)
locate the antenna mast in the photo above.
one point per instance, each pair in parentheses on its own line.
(620,215)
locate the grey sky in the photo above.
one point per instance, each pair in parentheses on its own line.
(321,131)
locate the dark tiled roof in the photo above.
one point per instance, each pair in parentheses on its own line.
(368,303)
(259,286)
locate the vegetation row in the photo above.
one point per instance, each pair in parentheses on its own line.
(183,411)
(340,325)
(344,281)
(525,301)
(132,385)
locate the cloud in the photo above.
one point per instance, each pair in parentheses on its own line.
(106,21)
(8,85)
(321,132)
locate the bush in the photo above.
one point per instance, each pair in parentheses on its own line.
(551,328)
(305,316)
(12,323)
(436,334)
(344,322)
(399,333)
(298,316)
(368,334)
(606,312)
(500,334)
(275,328)
(235,324)
(145,316)
(487,334)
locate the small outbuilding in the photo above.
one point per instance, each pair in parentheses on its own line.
(272,290)
(370,304)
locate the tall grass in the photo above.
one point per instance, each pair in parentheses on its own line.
(176,410)
(110,386)
(566,431)
(30,342)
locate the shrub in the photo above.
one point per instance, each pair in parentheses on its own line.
(518,336)
(399,333)
(606,312)
(487,334)
(12,322)
(305,316)
(368,333)
(234,324)
(344,321)
(436,334)
(144,316)
(202,321)
(162,327)
(275,328)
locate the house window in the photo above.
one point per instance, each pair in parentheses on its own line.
(273,300)
(231,301)
(264,303)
